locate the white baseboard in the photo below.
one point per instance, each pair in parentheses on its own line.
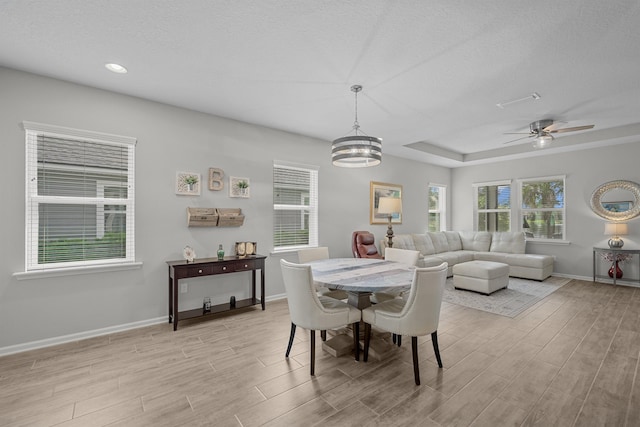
(48,342)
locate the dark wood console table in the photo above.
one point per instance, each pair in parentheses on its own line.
(209,267)
(614,253)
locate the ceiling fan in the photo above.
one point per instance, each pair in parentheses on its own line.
(541,130)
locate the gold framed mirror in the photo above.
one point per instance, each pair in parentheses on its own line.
(617,200)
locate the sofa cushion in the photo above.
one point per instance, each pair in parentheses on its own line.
(509,242)
(440,242)
(404,241)
(423,243)
(453,238)
(475,240)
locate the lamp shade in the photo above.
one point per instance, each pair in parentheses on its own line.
(389,205)
(615,229)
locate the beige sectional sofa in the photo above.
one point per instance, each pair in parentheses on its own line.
(455,247)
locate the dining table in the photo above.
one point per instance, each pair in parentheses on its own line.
(359,278)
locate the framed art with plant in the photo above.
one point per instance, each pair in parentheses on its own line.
(188,183)
(239,187)
(383,189)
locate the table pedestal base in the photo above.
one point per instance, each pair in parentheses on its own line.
(342,343)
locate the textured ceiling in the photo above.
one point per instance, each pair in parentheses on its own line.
(433,71)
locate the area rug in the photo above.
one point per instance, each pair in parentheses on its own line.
(520,295)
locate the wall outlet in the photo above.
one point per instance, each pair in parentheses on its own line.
(184,288)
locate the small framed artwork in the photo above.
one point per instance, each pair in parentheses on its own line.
(383,189)
(239,187)
(617,206)
(188,183)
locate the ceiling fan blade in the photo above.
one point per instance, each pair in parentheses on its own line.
(517,133)
(573,129)
(517,139)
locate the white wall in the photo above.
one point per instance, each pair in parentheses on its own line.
(170,139)
(585,171)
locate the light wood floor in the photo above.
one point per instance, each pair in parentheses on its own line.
(572,359)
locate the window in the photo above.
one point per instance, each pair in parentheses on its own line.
(437,220)
(295,206)
(542,205)
(80,198)
(492,206)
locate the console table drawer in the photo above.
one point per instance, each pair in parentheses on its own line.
(198,271)
(233,267)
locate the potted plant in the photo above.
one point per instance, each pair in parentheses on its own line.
(190,180)
(242,187)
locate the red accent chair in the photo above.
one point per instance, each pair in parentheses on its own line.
(363,245)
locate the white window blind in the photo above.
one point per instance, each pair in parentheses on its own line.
(492,206)
(79,198)
(295,206)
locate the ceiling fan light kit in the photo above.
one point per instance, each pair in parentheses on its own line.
(356,151)
(541,130)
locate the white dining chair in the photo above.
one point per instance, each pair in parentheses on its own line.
(313,312)
(403,256)
(417,315)
(314,254)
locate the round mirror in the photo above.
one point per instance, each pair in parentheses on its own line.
(617,200)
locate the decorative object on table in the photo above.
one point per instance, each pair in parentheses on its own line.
(378,190)
(390,206)
(358,150)
(363,245)
(230,217)
(604,200)
(188,183)
(220,253)
(188,253)
(246,248)
(202,217)
(216,179)
(239,187)
(615,229)
(616,259)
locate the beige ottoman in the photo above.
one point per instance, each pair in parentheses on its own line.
(485,277)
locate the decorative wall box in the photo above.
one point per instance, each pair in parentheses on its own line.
(202,217)
(230,217)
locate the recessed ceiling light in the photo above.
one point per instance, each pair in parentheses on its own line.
(116,68)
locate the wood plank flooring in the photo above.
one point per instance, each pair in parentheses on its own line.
(570,360)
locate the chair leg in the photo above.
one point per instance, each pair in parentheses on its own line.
(291,335)
(414,350)
(367,338)
(436,350)
(323,335)
(399,340)
(356,340)
(313,351)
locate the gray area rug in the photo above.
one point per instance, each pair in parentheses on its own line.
(520,295)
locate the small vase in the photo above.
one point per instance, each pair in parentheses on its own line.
(220,253)
(615,269)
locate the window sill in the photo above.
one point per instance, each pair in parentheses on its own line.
(549,242)
(59,272)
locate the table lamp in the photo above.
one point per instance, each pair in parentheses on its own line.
(615,229)
(390,206)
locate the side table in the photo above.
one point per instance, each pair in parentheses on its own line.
(614,254)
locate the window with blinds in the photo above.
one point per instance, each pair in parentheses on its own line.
(80,198)
(542,208)
(437,217)
(295,206)
(492,206)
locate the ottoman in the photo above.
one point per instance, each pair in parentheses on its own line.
(484,277)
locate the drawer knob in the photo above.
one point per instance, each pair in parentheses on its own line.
(245,266)
(224,268)
(200,271)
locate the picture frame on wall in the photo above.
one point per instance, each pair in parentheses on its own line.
(188,183)
(239,187)
(383,189)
